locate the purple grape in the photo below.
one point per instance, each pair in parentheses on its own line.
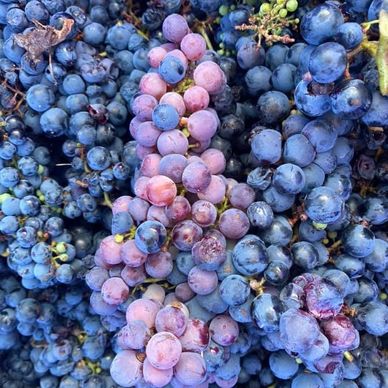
(163,350)
(126,369)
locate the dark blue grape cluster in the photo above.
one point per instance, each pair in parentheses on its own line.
(193,193)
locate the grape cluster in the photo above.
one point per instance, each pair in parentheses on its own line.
(193,193)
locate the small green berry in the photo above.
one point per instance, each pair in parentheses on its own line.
(292,5)
(265,8)
(283,13)
(223,10)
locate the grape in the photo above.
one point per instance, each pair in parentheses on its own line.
(163,350)
(186,234)
(109,251)
(193,46)
(156,377)
(153,84)
(327,62)
(358,241)
(204,213)
(241,196)
(172,142)
(298,330)
(114,291)
(210,76)
(150,165)
(215,191)
(196,98)
(173,319)
(196,336)
(165,117)
(134,335)
(126,369)
(156,55)
(175,28)
(191,369)
(143,106)
(178,210)
(267,146)
(161,190)
(234,224)
(234,290)
(202,125)
(131,255)
(282,365)
(143,310)
(223,330)
(159,265)
(172,69)
(209,253)
(202,282)
(172,166)
(196,177)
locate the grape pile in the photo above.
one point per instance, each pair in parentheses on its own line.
(193,193)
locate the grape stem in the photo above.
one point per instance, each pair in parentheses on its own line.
(205,36)
(382,53)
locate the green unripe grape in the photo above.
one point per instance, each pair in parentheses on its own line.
(60,247)
(283,13)
(292,5)
(280,2)
(223,10)
(265,8)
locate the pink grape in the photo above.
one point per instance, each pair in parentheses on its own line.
(209,253)
(143,310)
(196,98)
(196,177)
(109,250)
(155,292)
(176,100)
(204,213)
(142,152)
(134,335)
(159,265)
(241,196)
(161,190)
(163,350)
(234,224)
(143,105)
(183,292)
(150,165)
(174,28)
(202,125)
(202,282)
(172,319)
(114,291)
(215,160)
(133,125)
(126,369)
(99,262)
(156,377)
(99,306)
(230,183)
(210,76)
(140,187)
(194,158)
(133,276)
(224,330)
(215,191)
(147,134)
(121,204)
(193,46)
(96,277)
(155,56)
(172,142)
(153,84)
(191,369)
(185,234)
(131,255)
(138,209)
(172,166)
(157,213)
(178,210)
(196,336)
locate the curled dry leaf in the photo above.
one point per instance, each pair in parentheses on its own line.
(42,38)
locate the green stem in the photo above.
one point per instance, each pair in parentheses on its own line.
(205,36)
(382,53)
